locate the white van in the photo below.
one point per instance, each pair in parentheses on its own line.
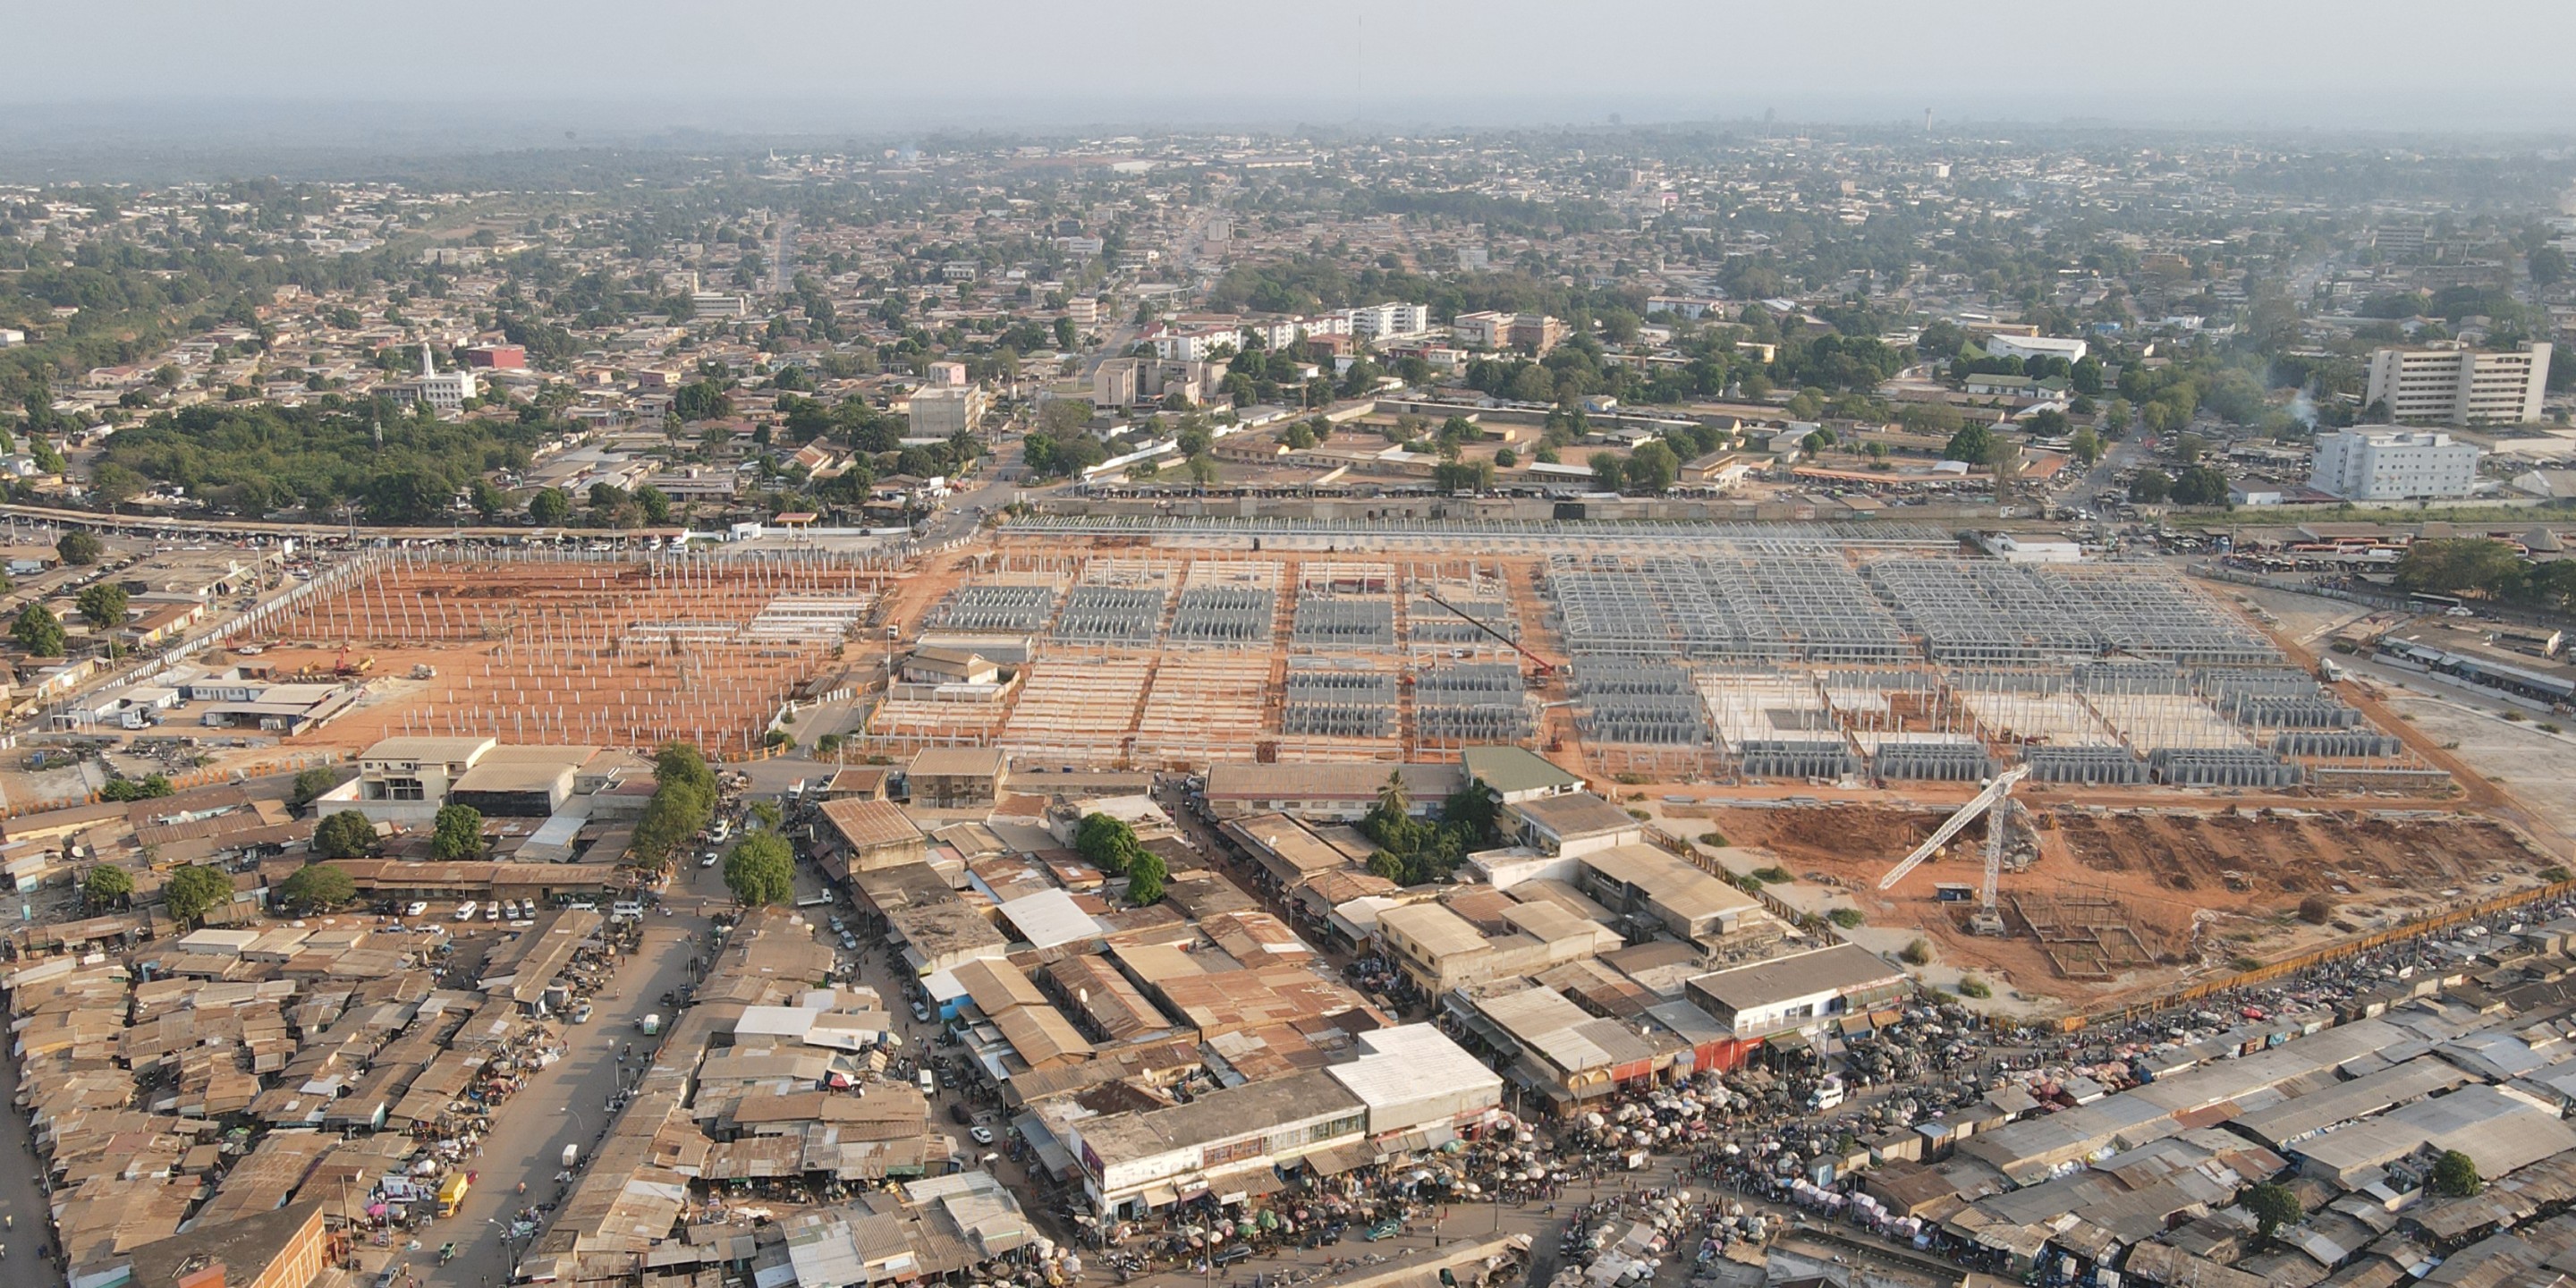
(465,911)
(929,1083)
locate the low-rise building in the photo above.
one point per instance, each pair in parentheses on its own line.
(1513,774)
(1572,824)
(1222,1144)
(957,777)
(1343,791)
(866,834)
(407,779)
(1657,889)
(1440,950)
(1801,992)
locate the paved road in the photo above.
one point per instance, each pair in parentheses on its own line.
(568,1103)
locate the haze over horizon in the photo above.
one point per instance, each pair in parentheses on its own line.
(413,79)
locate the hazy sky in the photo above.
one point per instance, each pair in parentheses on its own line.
(781,63)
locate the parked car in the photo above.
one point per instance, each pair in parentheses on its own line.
(581,1014)
(920,1013)
(707,860)
(415,908)
(984,1136)
(957,1113)
(465,911)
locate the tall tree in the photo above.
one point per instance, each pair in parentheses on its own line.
(457,833)
(39,632)
(104,603)
(761,870)
(194,891)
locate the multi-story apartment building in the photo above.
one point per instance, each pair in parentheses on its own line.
(1388,321)
(1535,332)
(2457,385)
(2393,465)
(941,410)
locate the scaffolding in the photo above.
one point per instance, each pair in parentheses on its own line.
(1110,614)
(1977,612)
(1233,616)
(1337,702)
(2146,612)
(1349,622)
(546,645)
(1203,707)
(1078,712)
(2223,767)
(2099,766)
(1471,702)
(1630,702)
(996,610)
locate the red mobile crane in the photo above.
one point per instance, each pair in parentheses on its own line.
(1539,667)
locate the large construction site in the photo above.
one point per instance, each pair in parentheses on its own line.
(570,647)
(1818,696)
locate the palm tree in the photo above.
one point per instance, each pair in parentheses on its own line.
(1392,800)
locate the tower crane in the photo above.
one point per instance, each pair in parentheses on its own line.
(1986,920)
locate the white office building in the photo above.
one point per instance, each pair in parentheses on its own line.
(1386,321)
(2027,347)
(719,304)
(2382,464)
(2456,385)
(444,392)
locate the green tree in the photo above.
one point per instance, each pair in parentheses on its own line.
(1393,800)
(550,508)
(678,762)
(1463,476)
(79,548)
(703,400)
(317,885)
(345,835)
(39,632)
(457,833)
(1653,467)
(1974,444)
(2273,1207)
(1107,843)
(1471,807)
(192,892)
(148,787)
(107,886)
(2548,266)
(103,603)
(1929,418)
(761,870)
(1145,877)
(2086,445)
(2455,1175)
(654,504)
(2462,566)
(1609,473)
(310,784)
(2150,487)
(2200,485)
(113,484)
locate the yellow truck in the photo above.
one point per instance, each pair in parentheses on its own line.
(451,1194)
